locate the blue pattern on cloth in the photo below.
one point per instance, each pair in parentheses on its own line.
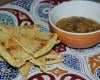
(23,3)
(72,62)
(4,18)
(98,73)
(7,72)
(44,28)
(43,10)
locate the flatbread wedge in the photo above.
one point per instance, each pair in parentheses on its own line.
(32,40)
(25,69)
(51,58)
(13,53)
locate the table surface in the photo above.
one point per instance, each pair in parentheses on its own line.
(80,64)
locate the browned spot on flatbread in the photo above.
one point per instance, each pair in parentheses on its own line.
(3,44)
(10,48)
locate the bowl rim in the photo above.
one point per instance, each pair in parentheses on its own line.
(74,33)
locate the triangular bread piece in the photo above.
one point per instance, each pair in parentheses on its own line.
(24,70)
(51,58)
(32,40)
(11,51)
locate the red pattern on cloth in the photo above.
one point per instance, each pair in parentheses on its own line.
(59,48)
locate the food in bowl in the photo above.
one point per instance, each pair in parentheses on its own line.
(86,9)
(78,24)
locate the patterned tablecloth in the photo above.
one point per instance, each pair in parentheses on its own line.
(78,64)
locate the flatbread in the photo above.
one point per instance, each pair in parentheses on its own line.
(25,69)
(27,43)
(32,40)
(11,51)
(51,58)
(47,46)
